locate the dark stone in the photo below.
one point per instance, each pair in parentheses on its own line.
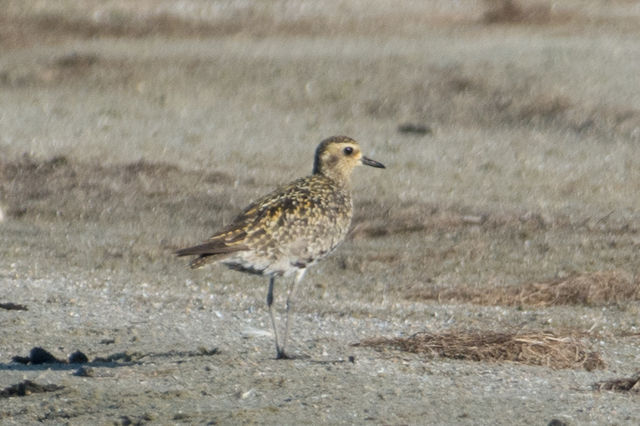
(78,357)
(27,388)
(417,129)
(84,372)
(9,306)
(39,355)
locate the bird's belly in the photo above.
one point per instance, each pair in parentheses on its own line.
(298,254)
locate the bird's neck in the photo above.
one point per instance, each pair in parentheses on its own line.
(335,176)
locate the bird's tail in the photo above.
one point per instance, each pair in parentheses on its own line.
(212,251)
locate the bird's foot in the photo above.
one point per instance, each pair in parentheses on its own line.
(280,354)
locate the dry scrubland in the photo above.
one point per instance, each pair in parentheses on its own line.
(491,275)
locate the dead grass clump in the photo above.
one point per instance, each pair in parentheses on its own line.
(600,288)
(512,12)
(596,289)
(535,348)
(631,384)
(543,107)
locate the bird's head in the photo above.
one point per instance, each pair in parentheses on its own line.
(337,156)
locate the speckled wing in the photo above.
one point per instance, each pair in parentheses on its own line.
(290,227)
(297,224)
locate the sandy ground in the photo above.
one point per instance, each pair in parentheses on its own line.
(129,129)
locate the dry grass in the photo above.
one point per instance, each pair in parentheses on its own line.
(600,288)
(534,348)
(631,384)
(512,12)
(61,187)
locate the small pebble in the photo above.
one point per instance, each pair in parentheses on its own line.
(85,372)
(418,129)
(78,357)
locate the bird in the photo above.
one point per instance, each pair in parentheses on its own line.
(290,229)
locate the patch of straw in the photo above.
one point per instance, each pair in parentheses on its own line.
(512,12)
(600,288)
(533,348)
(631,384)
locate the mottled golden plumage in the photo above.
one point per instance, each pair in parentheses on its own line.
(292,227)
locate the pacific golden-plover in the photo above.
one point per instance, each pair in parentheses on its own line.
(290,229)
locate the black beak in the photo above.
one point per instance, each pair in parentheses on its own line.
(372,163)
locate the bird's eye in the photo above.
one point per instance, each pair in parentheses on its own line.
(348,150)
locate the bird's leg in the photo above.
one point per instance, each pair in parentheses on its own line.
(273,318)
(290,294)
